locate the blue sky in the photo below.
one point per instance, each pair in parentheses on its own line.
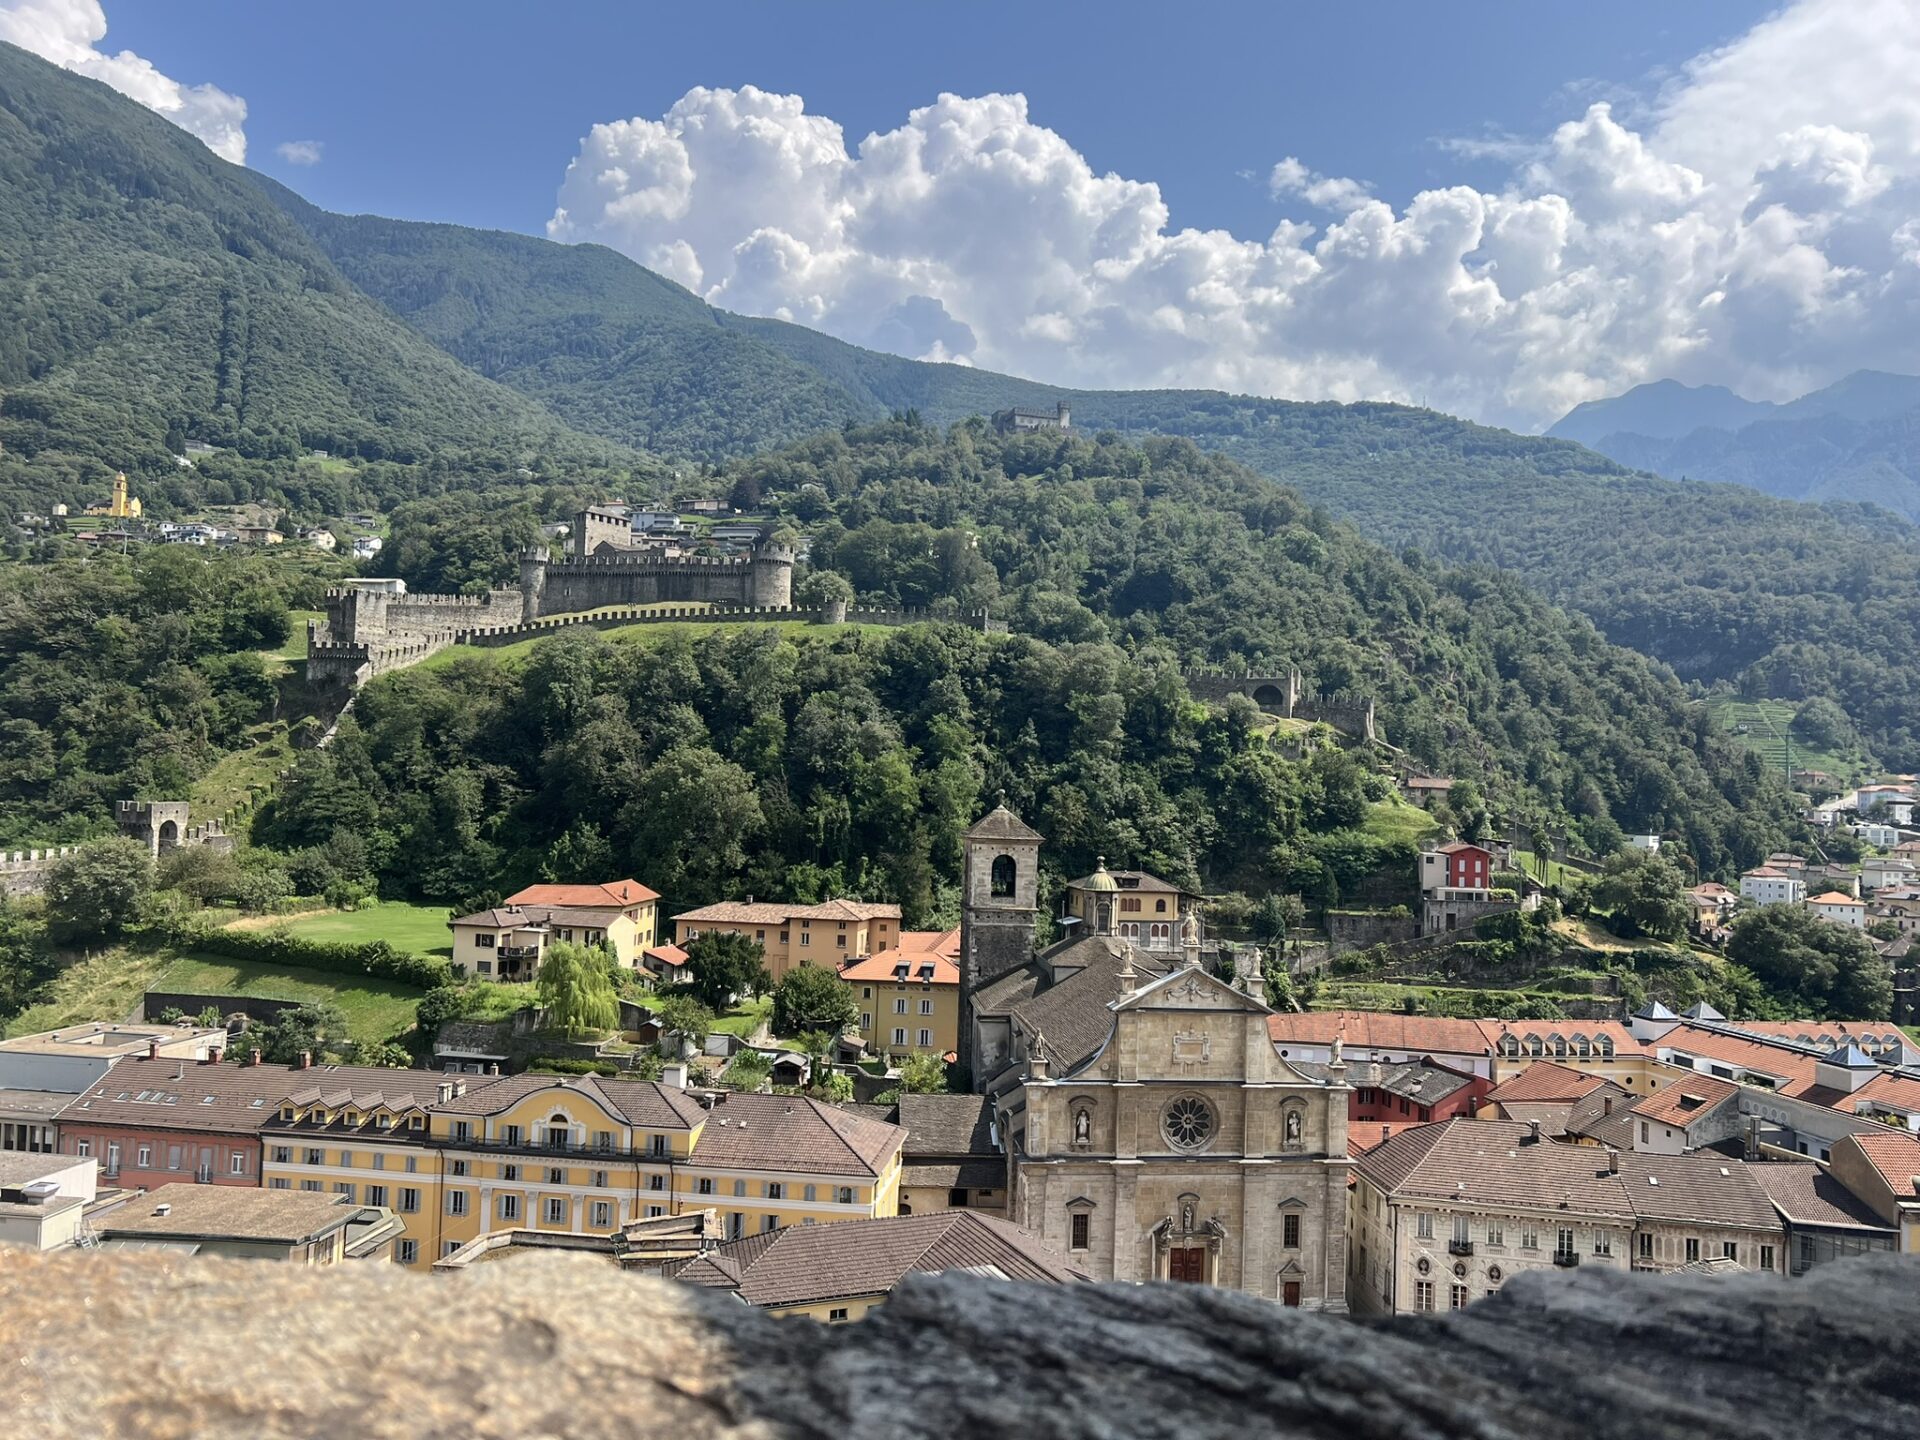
(468,113)
(1498,209)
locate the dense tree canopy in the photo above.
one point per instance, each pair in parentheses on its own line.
(1823,968)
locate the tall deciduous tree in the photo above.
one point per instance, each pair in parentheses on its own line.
(721,965)
(575,988)
(1646,894)
(811,998)
(97,893)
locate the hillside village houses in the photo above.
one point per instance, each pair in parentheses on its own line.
(909,995)
(506,942)
(827,935)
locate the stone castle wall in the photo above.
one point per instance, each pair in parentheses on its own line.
(24,872)
(1283,693)
(641,577)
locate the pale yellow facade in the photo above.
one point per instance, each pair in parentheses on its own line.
(897,1020)
(555,1159)
(827,935)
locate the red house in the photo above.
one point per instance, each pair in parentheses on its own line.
(1386,1098)
(1468,866)
(155,1121)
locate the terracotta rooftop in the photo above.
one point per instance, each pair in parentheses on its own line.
(1836,897)
(938,950)
(615,893)
(1893,1090)
(1366,1030)
(1685,1100)
(1544,1080)
(1792,1068)
(794,1133)
(810,1264)
(670,955)
(1571,1032)
(1895,1156)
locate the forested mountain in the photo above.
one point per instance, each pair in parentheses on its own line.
(150,293)
(759,763)
(1855,440)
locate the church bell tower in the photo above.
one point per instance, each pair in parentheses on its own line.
(1000,888)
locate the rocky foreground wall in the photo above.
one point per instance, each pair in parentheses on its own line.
(558,1345)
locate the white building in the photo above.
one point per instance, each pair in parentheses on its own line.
(1644,842)
(44,1199)
(1841,909)
(1764,885)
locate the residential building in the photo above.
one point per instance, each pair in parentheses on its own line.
(1882,1168)
(1443,1215)
(1841,909)
(837,1273)
(151,1121)
(1769,885)
(44,1199)
(1644,842)
(951,1159)
(1546,1093)
(293,1226)
(1879,872)
(1368,1036)
(1386,1097)
(1606,1048)
(1146,909)
(664,964)
(582,1156)
(41,1074)
(1456,882)
(97,1041)
(507,942)
(1825,1221)
(908,995)
(1691,1114)
(1423,790)
(1153,1130)
(1805,1095)
(827,935)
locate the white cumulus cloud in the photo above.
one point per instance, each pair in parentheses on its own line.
(1754,225)
(69,32)
(300,152)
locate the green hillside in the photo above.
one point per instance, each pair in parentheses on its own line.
(149,291)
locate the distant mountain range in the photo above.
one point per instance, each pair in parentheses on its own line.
(1856,440)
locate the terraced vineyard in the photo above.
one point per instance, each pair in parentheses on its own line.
(1765,727)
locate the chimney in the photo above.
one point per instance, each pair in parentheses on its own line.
(494,1068)
(163,1209)
(460,1089)
(674,1076)
(1606,1104)
(1753,1138)
(305,1062)
(153,1049)
(1386,1132)
(446,1091)
(214,1054)
(1613,1161)
(1533,1132)
(253,1056)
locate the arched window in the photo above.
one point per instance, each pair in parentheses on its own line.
(1003,876)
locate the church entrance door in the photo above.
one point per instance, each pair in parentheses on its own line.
(1188,1264)
(1290,1293)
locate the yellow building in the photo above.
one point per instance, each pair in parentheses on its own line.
(583,1156)
(122,506)
(506,943)
(828,934)
(909,995)
(1144,908)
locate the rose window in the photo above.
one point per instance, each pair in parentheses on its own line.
(1189,1123)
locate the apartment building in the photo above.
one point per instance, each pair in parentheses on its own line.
(908,995)
(827,935)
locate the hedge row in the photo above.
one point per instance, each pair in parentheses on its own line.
(269,947)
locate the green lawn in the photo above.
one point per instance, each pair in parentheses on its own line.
(1394,819)
(743,1020)
(1547,872)
(375,1009)
(106,987)
(295,646)
(421,929)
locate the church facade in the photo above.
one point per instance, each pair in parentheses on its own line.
(1152,1129)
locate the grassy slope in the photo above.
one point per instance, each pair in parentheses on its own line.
(375,1009)
(1764,727)
(421,929)
(646,634)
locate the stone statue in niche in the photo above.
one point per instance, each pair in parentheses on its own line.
(1293,1129)
(1082,1128)
(1186,1216)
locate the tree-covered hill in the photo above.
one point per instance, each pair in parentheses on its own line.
(150,293)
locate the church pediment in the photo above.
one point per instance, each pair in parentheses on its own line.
(1191,989)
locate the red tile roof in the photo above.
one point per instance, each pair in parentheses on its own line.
(1367,1030)
(1792,1068)
(1898,1092)
(1685,1100)
(1545,1081)
(940,948)
(1895,1156)
(589,897)
(671,955)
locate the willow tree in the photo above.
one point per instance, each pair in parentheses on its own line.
(575,988)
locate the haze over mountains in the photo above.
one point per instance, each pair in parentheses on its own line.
(150,292)
(1857,439)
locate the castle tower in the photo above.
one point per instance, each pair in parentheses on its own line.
(533,580)
(999,898)
(770,583)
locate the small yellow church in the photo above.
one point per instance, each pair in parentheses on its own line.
(122,506)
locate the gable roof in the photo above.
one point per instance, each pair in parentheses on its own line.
(638,1102)
(1494,1162)
(810,1264)
(938,950)
(762,912)
(614,894)
(795,1133)
(1065,994)
(1000,823)
(1806,1194)
(1686,1100)
(1895,1158)
(173,1094)
(1545,1080)
(1703,1186)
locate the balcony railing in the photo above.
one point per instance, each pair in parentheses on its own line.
(549,1147)
(1460,1247)
(203,1175)
(1566,1259)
